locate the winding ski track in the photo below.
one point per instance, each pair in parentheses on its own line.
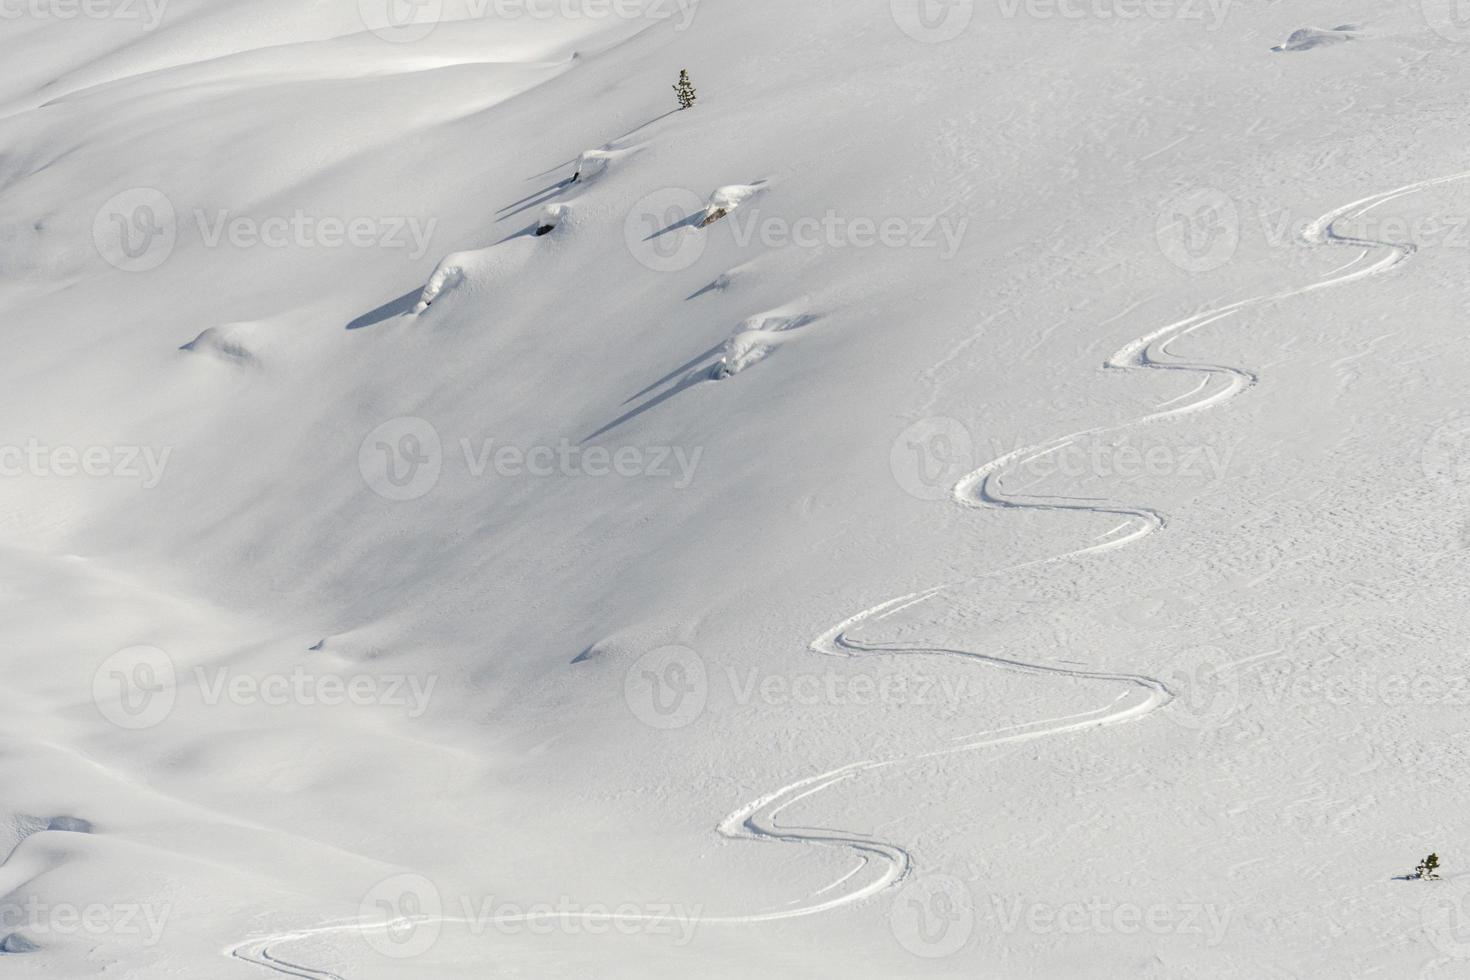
(882,865)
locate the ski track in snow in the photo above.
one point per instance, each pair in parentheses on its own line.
(888,863)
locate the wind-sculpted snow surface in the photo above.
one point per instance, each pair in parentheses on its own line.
(882,865)
(383,397)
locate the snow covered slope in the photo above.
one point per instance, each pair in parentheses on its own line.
(983,494)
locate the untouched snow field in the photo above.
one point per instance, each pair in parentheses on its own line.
(983,494)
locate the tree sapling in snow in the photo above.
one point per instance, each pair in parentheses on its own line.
(1428,869)
(685,90)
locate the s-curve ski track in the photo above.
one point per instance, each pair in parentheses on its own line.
(881,865)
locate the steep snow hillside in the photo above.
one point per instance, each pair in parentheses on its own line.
(980,494)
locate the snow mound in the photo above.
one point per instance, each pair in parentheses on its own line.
(1312,37)
(475,270)
(447,276)
(22,826)
(594,163)
(756,339)
(16,943)
(727,199)
(551,216)
(231,342)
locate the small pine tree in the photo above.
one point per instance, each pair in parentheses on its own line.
(1428,869)
(685,91)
